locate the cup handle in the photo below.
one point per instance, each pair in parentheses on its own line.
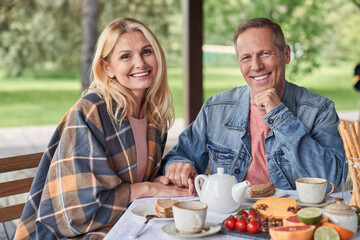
(198,221)
(332,189)
(197,182)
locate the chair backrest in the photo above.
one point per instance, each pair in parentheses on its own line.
(10,188)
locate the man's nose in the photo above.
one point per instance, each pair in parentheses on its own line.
(257,64)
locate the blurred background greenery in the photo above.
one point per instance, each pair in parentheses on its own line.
(40,49)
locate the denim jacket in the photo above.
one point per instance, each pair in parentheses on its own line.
(303,140)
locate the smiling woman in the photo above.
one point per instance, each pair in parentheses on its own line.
(107,149)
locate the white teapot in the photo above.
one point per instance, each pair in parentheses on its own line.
(221,191)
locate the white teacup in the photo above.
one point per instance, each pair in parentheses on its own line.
(189,216)
(313,190)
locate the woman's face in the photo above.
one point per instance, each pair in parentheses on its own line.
(133,63)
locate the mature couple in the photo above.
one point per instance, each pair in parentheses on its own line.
(107,151)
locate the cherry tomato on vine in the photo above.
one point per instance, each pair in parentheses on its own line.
(244,213)
(253,226)
(230,223)
(253,214)
(241,225)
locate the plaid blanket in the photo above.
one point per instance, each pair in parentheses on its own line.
(82,185)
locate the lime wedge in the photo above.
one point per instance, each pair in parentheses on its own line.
(310,216)
(325,233)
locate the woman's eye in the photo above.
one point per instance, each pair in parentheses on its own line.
(266,53)
(245,58)
(125,57)
(146,51)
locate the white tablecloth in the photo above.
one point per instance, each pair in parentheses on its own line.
(129,222)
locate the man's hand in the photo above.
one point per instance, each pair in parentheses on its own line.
(266,100)
(182,175)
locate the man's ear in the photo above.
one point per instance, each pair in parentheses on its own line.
(106,66)
(287,52)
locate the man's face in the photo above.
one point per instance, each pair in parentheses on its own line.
(261,63)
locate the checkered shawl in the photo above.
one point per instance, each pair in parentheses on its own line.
(82,185)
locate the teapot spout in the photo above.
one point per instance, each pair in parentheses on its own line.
(238,190)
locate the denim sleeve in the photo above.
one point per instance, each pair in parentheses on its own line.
(311,142)
(191,146)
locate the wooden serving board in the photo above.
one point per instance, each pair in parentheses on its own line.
(247,235)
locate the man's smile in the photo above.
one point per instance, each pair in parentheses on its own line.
(259,78)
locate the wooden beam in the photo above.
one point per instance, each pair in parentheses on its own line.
(15,163)
(15,187)
(11,212)
(192,55)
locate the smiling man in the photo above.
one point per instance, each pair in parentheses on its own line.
(267,131)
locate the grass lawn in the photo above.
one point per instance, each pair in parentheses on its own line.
(44,100)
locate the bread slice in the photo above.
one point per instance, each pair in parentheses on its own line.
(262,190)
(163,207)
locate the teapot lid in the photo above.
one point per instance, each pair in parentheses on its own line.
(339,208)
(221,176)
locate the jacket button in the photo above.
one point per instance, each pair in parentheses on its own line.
(237,171)
(271,120)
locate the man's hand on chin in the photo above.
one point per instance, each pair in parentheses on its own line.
(266,100)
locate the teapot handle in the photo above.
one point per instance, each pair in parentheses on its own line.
(197,182)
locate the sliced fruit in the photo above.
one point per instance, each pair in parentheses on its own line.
(345,234)
(294,220)
(310,215)
(292,232)
(326,233)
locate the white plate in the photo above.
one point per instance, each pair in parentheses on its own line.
(147,209)
(327,200)
(209,229)
(278,193)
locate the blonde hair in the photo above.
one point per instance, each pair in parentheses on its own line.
(157,103)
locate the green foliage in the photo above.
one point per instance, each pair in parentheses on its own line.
(36,34)
(47,35)
(342,40)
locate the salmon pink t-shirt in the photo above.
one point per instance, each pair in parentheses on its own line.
(139,128)
(257,172)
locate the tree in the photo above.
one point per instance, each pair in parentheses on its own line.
(356,2)
(46,35)
(89,12)
(39,35)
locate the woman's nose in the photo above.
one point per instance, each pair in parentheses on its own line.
(139,62)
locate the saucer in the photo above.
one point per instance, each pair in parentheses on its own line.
(327,200)
(209,229)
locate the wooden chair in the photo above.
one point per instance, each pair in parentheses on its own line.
(10,188)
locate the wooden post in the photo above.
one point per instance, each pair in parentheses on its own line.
(192,55)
